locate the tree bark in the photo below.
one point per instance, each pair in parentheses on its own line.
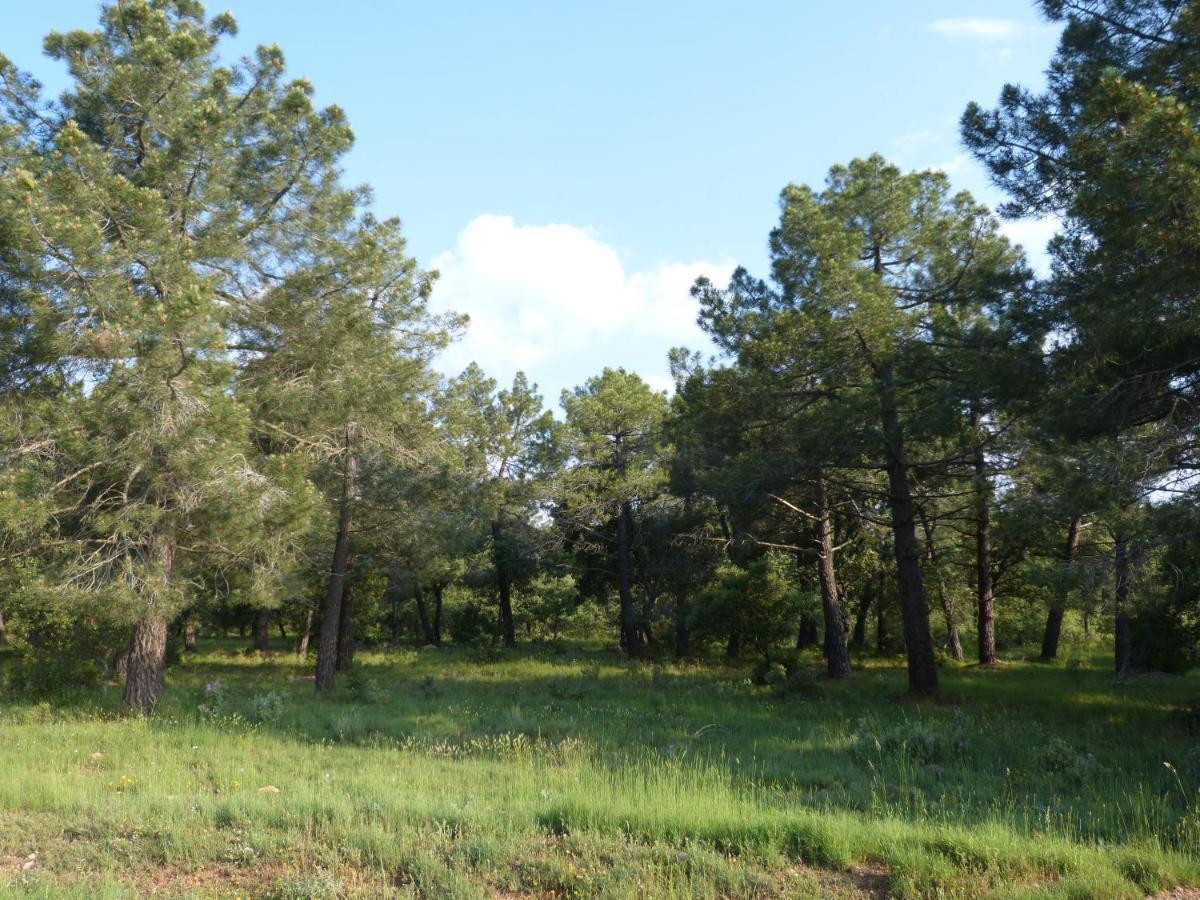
(630,638)
(1058,607)
(422,613)
(262,624)
(837,654)
(189,637)
(504,582)
(438,587)
(305,634)
(860,619)
(327,647)
(952,638)
(682,634)
(145,674)
(345,642)
(983,562)
(922,666)
(1123,644)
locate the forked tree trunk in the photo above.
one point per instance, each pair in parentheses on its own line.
(504,582)
(953,641)
(262,624)
(327,647)
(918,644)
(1058,607)
(983,563)
(145,673)
(631,639)
(345,643)
(837,654)
(1123,644)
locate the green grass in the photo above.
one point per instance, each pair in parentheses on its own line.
(575,774)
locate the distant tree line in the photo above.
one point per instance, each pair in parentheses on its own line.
(218,409)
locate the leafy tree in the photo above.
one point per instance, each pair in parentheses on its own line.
(882,281)
(613,441)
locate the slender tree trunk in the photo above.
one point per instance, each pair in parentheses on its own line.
(282,629)
(262,624)
(918,644)
(345,641)
(305,634)
(630,638)
(952,639)
(504,581)
(860,619)
(327,646)
(1124,640)
(422,613)
(438,587)
(880,626)
(1058,607)
(3,630)
(983,562)
(189,636)
(807,636)
(837,654)
(682,635)
(145,674)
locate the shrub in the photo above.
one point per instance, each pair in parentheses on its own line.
(363,688)
(268,706)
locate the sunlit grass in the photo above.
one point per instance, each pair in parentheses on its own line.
(576,774)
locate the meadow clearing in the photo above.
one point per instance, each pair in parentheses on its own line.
(568,772)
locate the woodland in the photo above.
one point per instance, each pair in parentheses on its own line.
(897,593)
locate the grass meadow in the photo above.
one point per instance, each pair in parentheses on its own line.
(566,772)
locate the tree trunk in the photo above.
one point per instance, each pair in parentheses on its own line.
(953,641)
(630,638)
(327,646)
(983,562)
(262,624)
(189,637)
(881,615)
(504,581)
(860,619)
(1124,640)
(422,613)
(3,630)
(438,587)
(305,634)
(807,636)
(682,634)
(345,640)
(282,629)
(1058,606)
(837,654)
(918,644)
(145,674)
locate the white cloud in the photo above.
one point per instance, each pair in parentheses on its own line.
(979,29)
(1033,235)
(557,302)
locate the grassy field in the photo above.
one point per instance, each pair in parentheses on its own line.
(571,773)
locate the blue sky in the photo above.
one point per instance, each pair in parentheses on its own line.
(570,167)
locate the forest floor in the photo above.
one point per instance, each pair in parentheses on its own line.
(563,772)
